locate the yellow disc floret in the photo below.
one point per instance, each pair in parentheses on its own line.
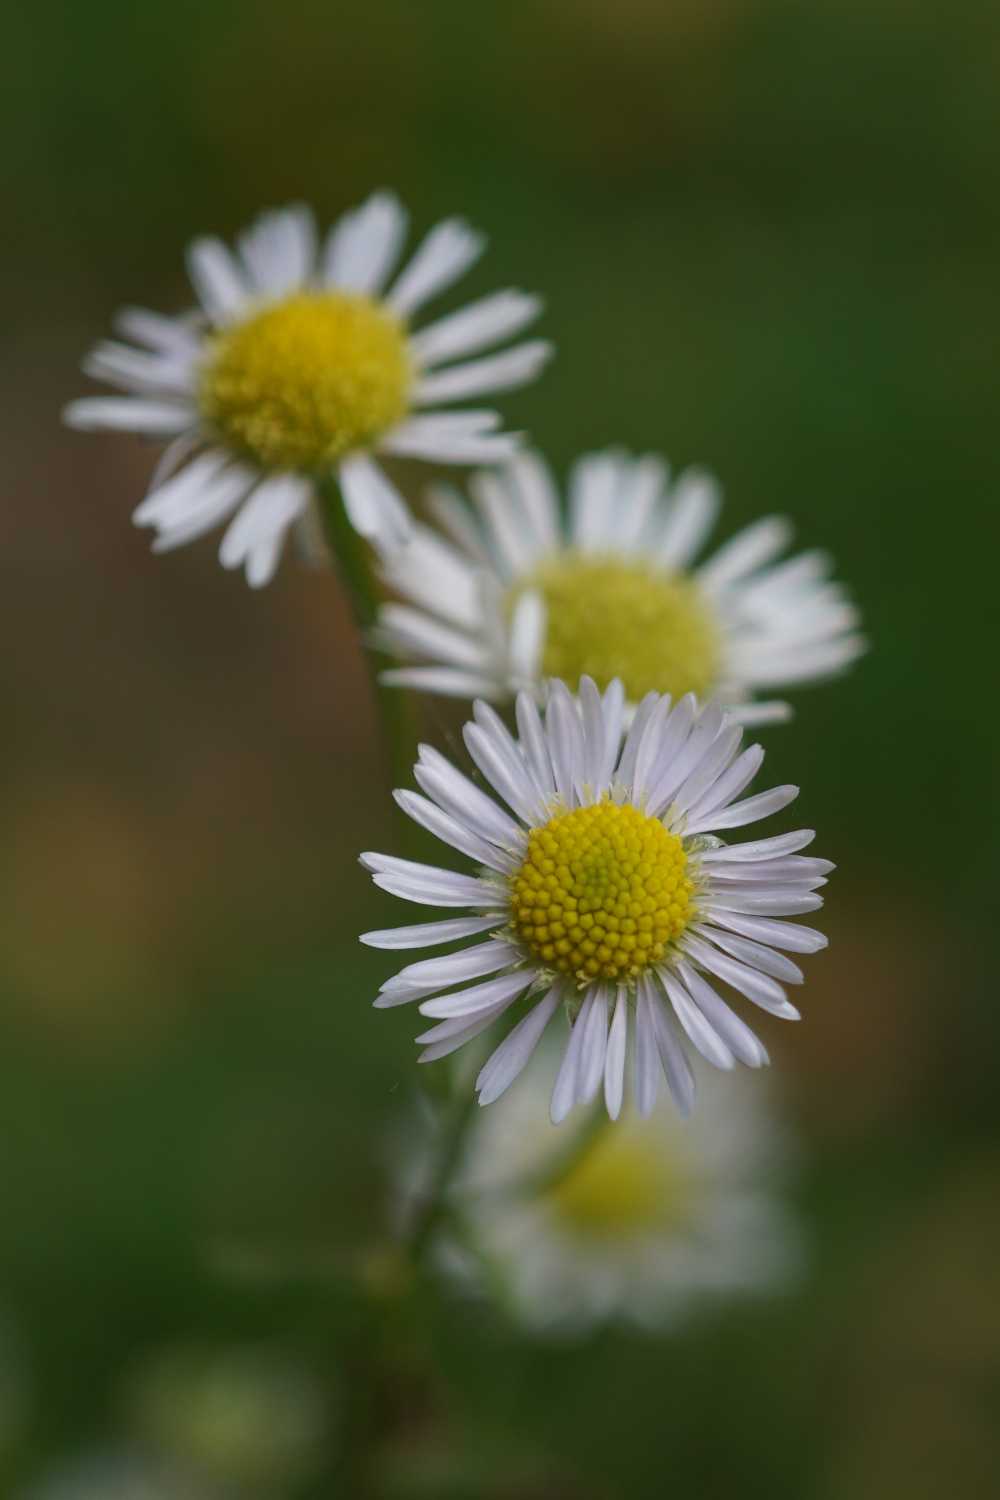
(623,617)
(625,1183)
(306,380)
(601,892)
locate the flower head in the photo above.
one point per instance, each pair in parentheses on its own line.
(302,363)
(645,1223)
(508,595)
(603,890)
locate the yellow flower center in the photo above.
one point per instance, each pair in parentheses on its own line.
(611,617)
(624,1183)
(306,380)
(601,892)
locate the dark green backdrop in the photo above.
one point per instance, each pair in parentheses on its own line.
(768,234)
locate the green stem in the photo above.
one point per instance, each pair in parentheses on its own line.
(432,1205)
(353,560)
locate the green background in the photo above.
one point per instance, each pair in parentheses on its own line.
(768,236)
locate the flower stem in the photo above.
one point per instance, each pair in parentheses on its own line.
(431,1206)
(353,561)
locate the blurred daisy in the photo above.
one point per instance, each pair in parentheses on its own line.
(302,362)
(244,1418)
(645,1222)
(603,891)
(511,594)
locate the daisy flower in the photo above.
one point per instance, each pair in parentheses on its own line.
(646,1223)
(300,363)
(603,890)
(508,594)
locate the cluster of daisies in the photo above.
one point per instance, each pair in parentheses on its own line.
(613,667)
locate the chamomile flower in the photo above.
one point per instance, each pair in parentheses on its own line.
(646,1223)
(603,890)
(507,594)
(301,363)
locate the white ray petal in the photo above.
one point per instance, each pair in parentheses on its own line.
(481,377)
(447,252)
(475,327)
(510,1058)
(427,934)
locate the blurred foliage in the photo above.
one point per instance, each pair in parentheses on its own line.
(768,234)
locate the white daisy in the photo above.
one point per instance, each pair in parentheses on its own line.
(646,1222)
(301,363)
(604,891)
(511,594)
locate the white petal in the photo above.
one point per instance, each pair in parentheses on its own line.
(642,493)
(504,523)
(255,535)
(374,507)
(433,574)
(783,902)
(447,439)
(593,1052)
(675,1065)
(592,711)
(431,975)
(480,1023)
(428,885)
(427,934)
(734,1032)
(174,500)
(694,507)
(475,327)
(411,632)
(534,485)
(279,250)
(142,373)
(787,935)
(760,849)
(647,1056)
(565,738)
(771,711)
(511,783)
(745,552)
(218,280)
(661,755)
(793,869)
(686,762)
(760,988)
(534,744)
(614,1065)
(452,514)
(455,833)
(757,955)
(460,1026)
(464,800)
(729,785)
(364,245)
(450,682)
(479,996)
(737,814)
(206,509)
(443,256)
(129,414)
(592,494)
(514,1052)
(174,336)
(527,637)
(626,765)
(567,1085)
(711,1046)
(481,377)
(706,773)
